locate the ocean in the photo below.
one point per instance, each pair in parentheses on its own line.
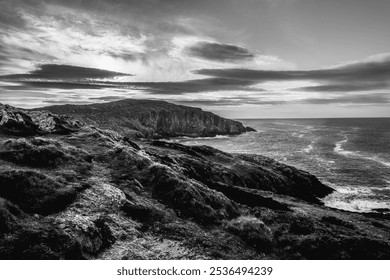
(351,155)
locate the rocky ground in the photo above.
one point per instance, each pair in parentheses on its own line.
(74,191)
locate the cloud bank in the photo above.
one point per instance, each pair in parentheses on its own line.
(362,82)
(65,72)
(362,71)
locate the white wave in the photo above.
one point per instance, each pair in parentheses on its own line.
(192,143)
(377,159)
(339,150)
(188,138)
(339,147)
(220,136)
(357,205)
(351,190)
(209,137)
(299,135)
(308,149)
(385,188)
(356,199)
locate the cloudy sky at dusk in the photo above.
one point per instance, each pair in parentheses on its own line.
(237,58)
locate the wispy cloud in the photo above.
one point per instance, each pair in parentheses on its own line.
(72,77)
(64,72)
(219,52)
(346,87)
(139,37)
(363,71)
(364,99)
(367,98)
(229,87)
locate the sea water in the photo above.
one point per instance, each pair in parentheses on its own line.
(351,155)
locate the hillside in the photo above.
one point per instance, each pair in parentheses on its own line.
(152,119)
(74,191)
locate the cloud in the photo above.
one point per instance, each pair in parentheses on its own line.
(219,52)
(364,71)
(229,87)
(138,36)
(58,85)
(368,99)
(344,87)
(130,14)
(112,35)
(232,102)
(79,79)
(361,99)
(170,49)
(64,36)
(9,15)
(194,86)
(63,72)
(351,83)
(107,98)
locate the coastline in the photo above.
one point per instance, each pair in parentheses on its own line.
(96,194)
(309,156)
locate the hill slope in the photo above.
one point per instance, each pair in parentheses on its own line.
(149,118)
(73,191)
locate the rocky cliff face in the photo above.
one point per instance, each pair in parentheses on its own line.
(88,193)
(16,121)
(147,118)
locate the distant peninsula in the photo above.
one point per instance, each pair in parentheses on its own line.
(151,119)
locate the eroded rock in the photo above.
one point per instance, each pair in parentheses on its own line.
(83,192)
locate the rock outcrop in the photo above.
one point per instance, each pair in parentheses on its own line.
(148,118)
(16,121)
(92,193)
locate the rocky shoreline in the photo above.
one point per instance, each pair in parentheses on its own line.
(151,119)
(72,190)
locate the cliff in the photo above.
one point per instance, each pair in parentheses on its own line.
(16,121)
(74,191)
(149,118)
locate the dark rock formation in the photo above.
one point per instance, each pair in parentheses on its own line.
(91,193)
(250,129)
(35,192)
(16,121)
(238,175)
(40,152)
(148,118)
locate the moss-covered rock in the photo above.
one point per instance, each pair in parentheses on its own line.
(43,153)
(253,231)
(35,192)
(190,198)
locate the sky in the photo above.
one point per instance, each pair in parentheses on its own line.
(237,58)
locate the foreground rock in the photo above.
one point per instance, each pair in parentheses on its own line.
(15,121)
(94,194)
(149,118)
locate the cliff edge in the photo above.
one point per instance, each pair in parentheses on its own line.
(151,119)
